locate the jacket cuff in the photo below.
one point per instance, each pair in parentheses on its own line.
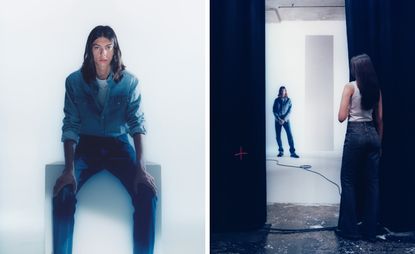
(70,135)
(138,129)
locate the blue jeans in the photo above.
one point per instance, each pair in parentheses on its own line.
(117,156)
(361,155)
(287,128)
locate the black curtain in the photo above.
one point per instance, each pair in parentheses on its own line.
(384,30)
(237,106)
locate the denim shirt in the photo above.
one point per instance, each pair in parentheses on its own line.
(282,108)
(120,114)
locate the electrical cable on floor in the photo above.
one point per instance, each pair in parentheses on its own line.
(302,230)
(272,230)
(306,168)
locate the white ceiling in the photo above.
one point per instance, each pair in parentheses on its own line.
(306,10)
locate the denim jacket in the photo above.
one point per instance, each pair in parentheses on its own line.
(282,108)
(120,114)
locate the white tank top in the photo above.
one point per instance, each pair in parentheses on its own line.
(356,113)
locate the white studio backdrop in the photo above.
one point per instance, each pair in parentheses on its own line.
(285,65)
(163,44)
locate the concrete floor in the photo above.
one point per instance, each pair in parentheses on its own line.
(298,199)
(293,216)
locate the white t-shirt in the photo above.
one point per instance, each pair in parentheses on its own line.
(102,91)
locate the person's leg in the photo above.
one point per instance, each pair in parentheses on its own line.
(290,138)
(64,204)
(122,164)
(145,202)
(63,220)
(371,208)
(352,151)
(278,128)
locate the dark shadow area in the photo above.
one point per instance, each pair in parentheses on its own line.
(239,242)
(381,29)
(276,238)
(237,125)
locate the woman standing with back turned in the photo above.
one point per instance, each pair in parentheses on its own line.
(361,104)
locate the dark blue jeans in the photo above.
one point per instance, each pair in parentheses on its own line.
(287,128)
(117,156)
(361,155)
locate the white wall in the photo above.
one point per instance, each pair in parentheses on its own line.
(285,64)
(163,43)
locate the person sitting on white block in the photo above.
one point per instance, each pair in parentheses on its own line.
(102,106)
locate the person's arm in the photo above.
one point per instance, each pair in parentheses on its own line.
(70,137)
(379,116)
(67,176)
(142,176)
(135,116)
(135,122)
(275,110)
(288,111)
(138,145)
(345,101)
(72,119)
(69,151)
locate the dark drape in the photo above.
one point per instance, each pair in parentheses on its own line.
(237,115)
(384,30)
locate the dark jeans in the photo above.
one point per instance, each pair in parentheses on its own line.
(287,128)
(361,154)
(117,156)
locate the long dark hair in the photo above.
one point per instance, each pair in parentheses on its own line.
(280,91)
(88,66)
(362,69)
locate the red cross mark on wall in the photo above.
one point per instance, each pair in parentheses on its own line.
(241,153)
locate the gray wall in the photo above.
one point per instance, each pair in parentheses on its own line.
(319,91)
